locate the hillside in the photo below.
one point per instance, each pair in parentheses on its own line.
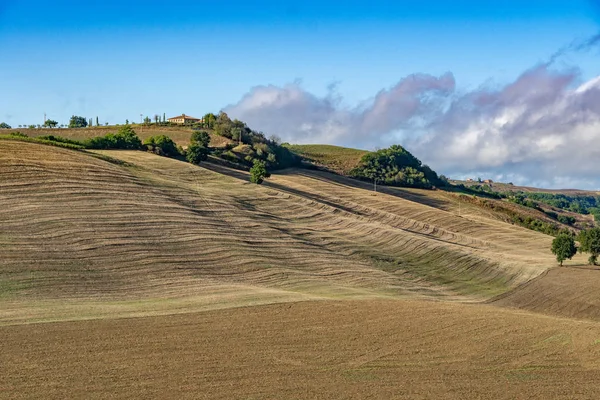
(334,158)
(180,134)
(79,227)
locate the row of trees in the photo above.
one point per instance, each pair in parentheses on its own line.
(564,246)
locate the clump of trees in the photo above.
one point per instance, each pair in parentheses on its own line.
(162,145)
(77,122)
(125,139)
(249,145)
(4,125)
(396,166)
(563,246)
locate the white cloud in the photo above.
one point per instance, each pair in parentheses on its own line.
(540,128)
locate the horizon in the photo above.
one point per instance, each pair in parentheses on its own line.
(504,92)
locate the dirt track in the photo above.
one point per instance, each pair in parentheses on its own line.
(325,350)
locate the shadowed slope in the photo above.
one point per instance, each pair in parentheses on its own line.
(567,292)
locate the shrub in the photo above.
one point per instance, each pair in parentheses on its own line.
(566,219)
(196,153)
(59,139)
(202,138)
(162,145)
(258,172)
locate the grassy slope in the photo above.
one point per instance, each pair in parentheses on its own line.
(334,158)
(164,236)
(180,135)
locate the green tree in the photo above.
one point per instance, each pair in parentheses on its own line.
(4,125)
(97,122)
(200,137)
(196,153)
(147,121)
(164,118)
(50,123)
(236,134)
(258,172)
(563,246)
(209,120)
(77,122)
(590,243)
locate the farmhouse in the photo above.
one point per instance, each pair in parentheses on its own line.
(184,119)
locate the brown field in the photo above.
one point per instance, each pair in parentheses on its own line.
(309,350)
(156,278)
(566,292)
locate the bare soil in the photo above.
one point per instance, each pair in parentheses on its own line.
(308,350)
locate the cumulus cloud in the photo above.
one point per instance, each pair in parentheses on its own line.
(541,129)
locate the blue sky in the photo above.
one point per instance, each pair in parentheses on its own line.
(116,60)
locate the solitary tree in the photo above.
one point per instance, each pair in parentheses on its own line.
(590,243)
(97,122)
(563,246)
(258,172)
(4,125)
(50,123)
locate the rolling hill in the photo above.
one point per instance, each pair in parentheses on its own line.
(76,226)
(169,280)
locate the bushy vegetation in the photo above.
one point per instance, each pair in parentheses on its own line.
(4,125)
(162,145)
(43,140)
(515,217)
(249,145)
(563,246)
(59,139)
(258,172)
(397,167)
(124,139)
